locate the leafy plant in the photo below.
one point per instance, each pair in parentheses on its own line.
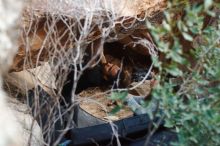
(119,97)
(191,54)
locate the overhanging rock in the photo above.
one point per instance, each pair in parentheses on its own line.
(50,29)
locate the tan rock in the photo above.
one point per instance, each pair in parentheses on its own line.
(49,27)
(142,90)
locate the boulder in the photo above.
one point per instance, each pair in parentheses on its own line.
(51,29)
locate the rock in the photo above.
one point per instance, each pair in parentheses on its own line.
(30,131)
(50,31)
(142,90)
(111,118)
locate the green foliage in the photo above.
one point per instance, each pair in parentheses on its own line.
(193,110)
(190,45)
(119,97)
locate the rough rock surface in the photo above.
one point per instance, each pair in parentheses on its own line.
(48,26)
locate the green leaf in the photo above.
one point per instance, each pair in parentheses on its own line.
(207,4)
(169,124)
(116,109)
(118,95)
(166,26)
(174,71)
(187,36)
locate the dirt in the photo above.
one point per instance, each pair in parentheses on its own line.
(96,103)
